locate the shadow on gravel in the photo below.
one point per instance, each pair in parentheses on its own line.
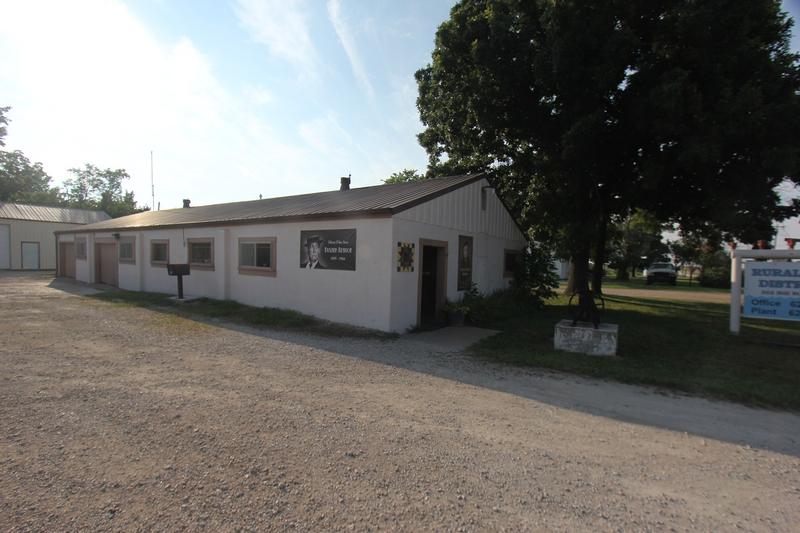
(738,424)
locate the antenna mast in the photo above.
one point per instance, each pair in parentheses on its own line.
(152,183)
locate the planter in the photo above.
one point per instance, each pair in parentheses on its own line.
(455,318)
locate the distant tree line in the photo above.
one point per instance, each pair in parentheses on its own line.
(90,187)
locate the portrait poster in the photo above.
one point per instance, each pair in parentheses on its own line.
(464,263)
(328,249)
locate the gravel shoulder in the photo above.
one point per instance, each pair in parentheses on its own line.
(121,418)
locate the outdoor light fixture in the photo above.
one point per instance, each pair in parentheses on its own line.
(115,235)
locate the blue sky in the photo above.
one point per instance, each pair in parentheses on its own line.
(235,98)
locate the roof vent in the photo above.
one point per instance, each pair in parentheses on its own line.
(186,203)
(345,183)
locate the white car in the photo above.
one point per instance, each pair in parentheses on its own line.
(661,272)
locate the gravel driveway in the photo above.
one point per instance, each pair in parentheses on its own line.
(120,418)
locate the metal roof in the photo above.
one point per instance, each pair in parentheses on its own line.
(378,200)
(41,213)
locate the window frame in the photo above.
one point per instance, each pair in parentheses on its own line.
(155,262)
(132,242)
(256,270)
(81,240)
(200,240)
(509,273)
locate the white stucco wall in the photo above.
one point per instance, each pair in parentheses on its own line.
(444,219)
(375,295)
(360,297)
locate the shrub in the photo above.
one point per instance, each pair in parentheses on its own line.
(535,279)
(716,276)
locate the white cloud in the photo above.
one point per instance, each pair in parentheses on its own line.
(349,45)
(283,27)
(89,83)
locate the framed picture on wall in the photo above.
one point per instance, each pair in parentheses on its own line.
(464,263)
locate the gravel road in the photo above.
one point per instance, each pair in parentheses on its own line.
(120,418)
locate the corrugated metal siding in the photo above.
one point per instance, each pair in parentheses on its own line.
(380,199)
(461,209)
(40,213)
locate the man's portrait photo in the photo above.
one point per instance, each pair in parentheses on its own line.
(312,257)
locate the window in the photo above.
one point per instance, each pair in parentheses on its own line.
(201,253)
(127,246)
(159,252)
(257,255)
(80,248)
(510,263)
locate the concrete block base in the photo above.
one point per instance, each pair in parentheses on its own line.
(583,338)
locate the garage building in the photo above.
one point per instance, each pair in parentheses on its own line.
(27,239)
(385,257)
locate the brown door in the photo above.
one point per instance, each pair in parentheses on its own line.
(106,263)
(66,260)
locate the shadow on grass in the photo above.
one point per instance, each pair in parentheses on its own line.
(674,345)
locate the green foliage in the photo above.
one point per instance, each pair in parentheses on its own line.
(93,188)
(687,251)
(24,182)
(535,279)
(3,124)
(716,266)
(635,243)
(584,111)
(404,176)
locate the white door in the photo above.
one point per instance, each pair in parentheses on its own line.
(30,256)
(5,246)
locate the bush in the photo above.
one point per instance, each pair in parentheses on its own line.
(716,276)
(535,279)
(716,270)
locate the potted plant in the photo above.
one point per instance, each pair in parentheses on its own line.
(456,312)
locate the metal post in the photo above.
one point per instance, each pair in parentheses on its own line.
(180,287)
(736,292)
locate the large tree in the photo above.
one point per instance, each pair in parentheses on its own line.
(584,111)
(93,188)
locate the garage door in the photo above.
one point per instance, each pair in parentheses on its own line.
(106,265)
(5,246)
(66,258)
(30,255)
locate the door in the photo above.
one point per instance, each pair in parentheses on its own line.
(5,246)
(106,263)
(66,260)
(428,299)
(30,255)
(432,283)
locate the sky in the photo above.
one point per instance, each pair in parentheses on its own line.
(235,98)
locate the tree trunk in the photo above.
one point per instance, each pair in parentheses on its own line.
(599,259)
(569,290)
(622,273)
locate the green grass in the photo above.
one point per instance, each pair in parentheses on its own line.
(268,317)
(683,346)
(639,283)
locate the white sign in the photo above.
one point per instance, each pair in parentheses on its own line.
(772,290)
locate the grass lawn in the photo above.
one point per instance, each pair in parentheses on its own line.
(239,313)
(676,345)
(640,283)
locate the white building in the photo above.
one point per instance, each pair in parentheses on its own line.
(389,256)
(27,241)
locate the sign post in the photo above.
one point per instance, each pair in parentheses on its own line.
(772,288)
(180,270)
